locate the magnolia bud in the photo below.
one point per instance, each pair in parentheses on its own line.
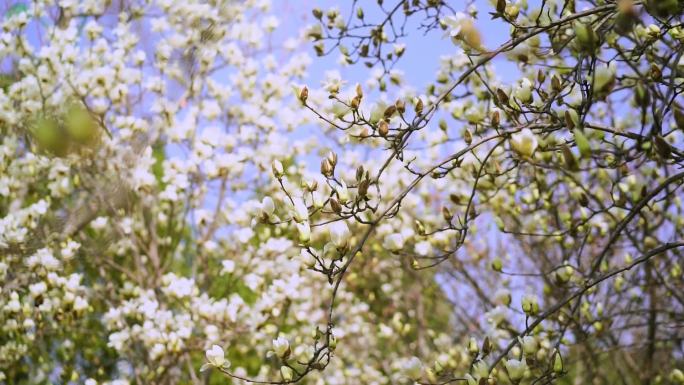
(303,94)
(389,112)
(487,346)
(277,168)
(419,107)
(679,118)
(662,147)
(541,76)
(326,168)
(467,137)
(501,6)
(420,229)
(556,83)
(496,118)
(642,96)
(473,349)
(363,187)
(571,118)
(400,105)
(569,158)
(497,265)
(502,96)
(355,102)
(332,158)
(557,363)
(383,128)
(335,206)
(286,373)
(447,214)
(582,143)
(587,39)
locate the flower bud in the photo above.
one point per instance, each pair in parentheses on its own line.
(586,38)
(383,128)
(419,107)
(277,168)
(303,94)
(557,363)
(286,373)
(473,348)
(327,169)
(335,206)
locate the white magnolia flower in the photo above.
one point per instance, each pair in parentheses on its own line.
(267,207)
(524,91)
(300,212)
(281,347)
(516,369)
(529,345)
(318,200)
(342,193)
(524,142)
(304,231)
(481,369)
(307,258)
(413,368)
(339,234)
(286,373)
(277,167)
(215,357)
(333,82)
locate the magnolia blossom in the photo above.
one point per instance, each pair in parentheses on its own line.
(277,168)
(530,305)
(216,357)
(281,347)
(529,345)
(307,258)
(339,234)
(342,192)
(516,369)
(523,91)
(267,207)
(333,82)
(604,76)
(286,373)
(524,142)
(413,368)
(300,212)
(304,231)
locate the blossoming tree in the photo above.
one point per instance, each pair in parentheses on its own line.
(177,206)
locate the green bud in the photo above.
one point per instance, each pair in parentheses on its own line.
(587,39)
(582,143)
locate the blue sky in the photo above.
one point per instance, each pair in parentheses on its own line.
(421,60)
